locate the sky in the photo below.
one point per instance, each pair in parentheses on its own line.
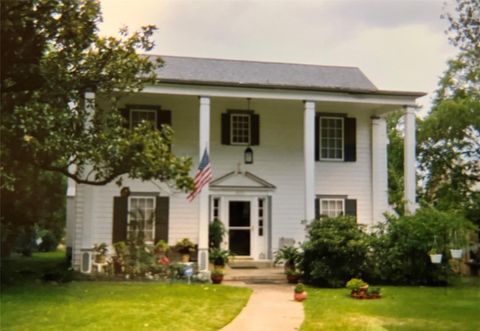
(398,44)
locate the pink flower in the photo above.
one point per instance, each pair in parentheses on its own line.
(164,261)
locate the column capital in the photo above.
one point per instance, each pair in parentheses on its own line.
(204,100)
(410,109)
(309,104)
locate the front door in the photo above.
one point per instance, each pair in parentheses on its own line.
(239,227)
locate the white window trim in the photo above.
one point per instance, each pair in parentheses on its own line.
(320,138)
(142,110)
(129,216)
(329,200)
(249,129)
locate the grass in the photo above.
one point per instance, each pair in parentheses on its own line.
(85,305)
(401,308)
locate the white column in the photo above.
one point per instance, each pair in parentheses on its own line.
(309,158)
(379,170)
(90,191)
(409,160)
(204,142)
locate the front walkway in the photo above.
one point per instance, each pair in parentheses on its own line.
(271,307)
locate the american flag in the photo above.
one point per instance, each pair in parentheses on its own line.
(202,177)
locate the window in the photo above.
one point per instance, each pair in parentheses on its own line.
(137,116)
(331,138)
(261,216)
(332,207)
(216,208)
(141,216)
(240,129)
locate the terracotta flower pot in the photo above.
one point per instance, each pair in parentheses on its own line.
(216,279)
(292,279)
(300,296)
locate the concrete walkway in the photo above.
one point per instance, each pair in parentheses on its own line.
(271,307)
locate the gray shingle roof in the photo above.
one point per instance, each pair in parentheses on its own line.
(262,74)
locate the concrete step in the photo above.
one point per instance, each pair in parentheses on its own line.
(256,276)
(237,263)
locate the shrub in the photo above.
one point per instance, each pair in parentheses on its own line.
(401,246)
(336,250)
(216,232)
(355,284)
(49,242)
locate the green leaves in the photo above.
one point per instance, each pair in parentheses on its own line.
(52,56)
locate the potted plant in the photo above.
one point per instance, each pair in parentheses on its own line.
(289,255)
(217,276)
(219,257)
(435,257)
(101,251)
(293,276)
(456,253)
(299,293)
(185,247)
(161,248)
(373,292)
(119,259)
(358,288)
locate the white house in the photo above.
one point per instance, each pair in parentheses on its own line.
(319,144)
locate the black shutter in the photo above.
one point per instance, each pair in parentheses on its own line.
(164,117)
(255,130)
(351,207)
(126,117)
(225,129)
(350,134)
(317,138)
(317,208)
(161,223)
(120,214)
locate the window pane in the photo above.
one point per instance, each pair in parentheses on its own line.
(331,138)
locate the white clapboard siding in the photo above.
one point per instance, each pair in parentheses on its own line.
(278,159)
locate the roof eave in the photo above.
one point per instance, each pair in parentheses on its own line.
(414,94)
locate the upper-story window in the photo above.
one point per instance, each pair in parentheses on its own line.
(135,114)
(138,116)
(240,127)
(331,138)
(335,137)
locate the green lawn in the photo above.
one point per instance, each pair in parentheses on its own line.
(401,308)
(85,305)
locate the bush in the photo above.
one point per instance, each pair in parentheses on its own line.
(49,242)
(401,246)
(216,232)
(335,251)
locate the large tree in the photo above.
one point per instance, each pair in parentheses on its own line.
(449,137)
(448,141)
(51,56)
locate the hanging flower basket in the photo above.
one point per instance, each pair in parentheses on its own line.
(436,258)
(456,253)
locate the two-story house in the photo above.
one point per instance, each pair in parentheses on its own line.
(287,142)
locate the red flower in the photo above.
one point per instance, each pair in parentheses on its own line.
(164,261)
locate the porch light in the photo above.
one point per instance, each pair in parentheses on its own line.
(248,155)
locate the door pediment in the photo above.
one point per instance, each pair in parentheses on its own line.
(240,181)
